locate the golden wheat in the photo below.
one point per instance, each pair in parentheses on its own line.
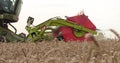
(116,33)
(60,52)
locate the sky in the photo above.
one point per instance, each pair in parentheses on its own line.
(105,14)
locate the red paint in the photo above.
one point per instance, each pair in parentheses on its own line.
(67,32)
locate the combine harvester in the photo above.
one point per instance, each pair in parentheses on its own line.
(74,28)
(71,29)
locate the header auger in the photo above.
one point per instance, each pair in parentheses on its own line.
(70,29)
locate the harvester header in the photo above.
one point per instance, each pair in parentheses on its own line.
(70,29)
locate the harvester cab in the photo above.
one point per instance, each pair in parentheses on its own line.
(9,12)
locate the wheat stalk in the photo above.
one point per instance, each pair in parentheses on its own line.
(89,35)
(117,34)
(52,59)
(54,49)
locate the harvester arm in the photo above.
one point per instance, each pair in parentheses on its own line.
(39,32)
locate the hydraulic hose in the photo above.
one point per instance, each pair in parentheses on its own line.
(13,28)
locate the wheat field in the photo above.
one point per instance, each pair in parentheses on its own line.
(54,51)
(60,52)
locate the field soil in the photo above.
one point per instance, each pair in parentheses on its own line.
(60,52)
